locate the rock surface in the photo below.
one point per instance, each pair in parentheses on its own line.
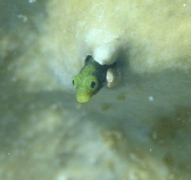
(138,130)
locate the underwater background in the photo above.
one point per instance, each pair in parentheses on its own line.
(138,130)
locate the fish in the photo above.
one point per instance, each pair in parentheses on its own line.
(91,79)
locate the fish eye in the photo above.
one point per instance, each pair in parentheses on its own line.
(93,84)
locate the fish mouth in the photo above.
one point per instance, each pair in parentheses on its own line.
(83,98)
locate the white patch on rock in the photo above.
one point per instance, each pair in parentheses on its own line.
(105,54)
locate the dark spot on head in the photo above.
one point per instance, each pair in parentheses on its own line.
(73,82)
(93,84)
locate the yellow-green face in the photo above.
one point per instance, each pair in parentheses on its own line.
(86,85)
